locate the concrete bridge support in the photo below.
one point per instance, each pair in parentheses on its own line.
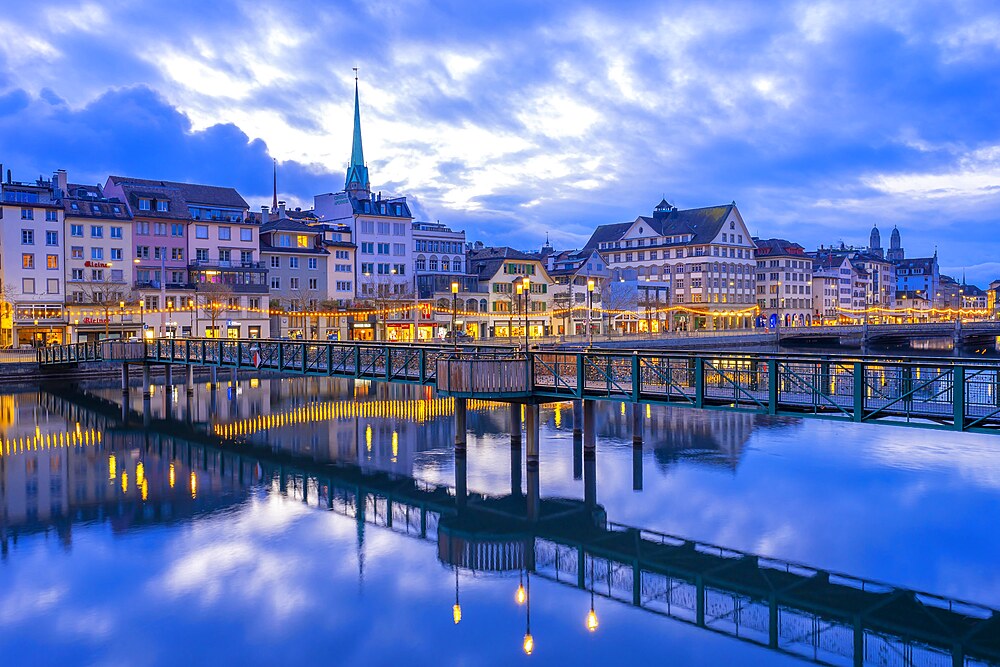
(515,425)
(125,379)
(461,478)
(637,468)
(168,375)
(577,419)
(190,380)
(589,426)
(531,428)
(461,405)
(590,479)
(534,494)
(232,380)
(215,378)
(147,395)
(515,471)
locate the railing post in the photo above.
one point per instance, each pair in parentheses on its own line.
(421,363)
(357,360)
(281,356)
(580,380)
(388,363)
(772,386)
(305,350)
(859,391)
(329,359)
(699,382)
(958,396)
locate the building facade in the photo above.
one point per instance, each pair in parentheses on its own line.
(784,283)
(704,256)
(298,266)
(512,312)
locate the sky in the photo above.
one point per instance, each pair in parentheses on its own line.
(515,120)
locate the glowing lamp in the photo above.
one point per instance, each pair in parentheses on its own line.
(456,613)
(520,596)
(529,644)
(592,620)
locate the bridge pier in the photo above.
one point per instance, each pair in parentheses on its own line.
(590,479)
(125,379)
(515,425)
(589,426)
(515,471)
(190,380)
(168,375)
(534,494)
(637,425)
(578,457)
(577,418)
(232,380)
(461,405)
(215,378)
(531,430)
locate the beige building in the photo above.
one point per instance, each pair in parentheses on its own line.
(784,283)
(501,273)
(703,256)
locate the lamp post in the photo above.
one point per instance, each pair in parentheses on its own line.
(590,306)
(454,309)
(163,290)
(520,303)
(526,283)
(121,306)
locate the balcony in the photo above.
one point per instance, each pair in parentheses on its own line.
(226,264)
(236,288)
(155,284)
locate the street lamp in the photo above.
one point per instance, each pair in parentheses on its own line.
(590,306)
(526,283)
(454,308)
(121,307)
(520,303)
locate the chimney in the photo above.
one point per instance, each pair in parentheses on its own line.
(264,214)
(281,209)
(59,181)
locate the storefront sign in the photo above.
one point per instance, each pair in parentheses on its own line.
(97,265)
(96,320)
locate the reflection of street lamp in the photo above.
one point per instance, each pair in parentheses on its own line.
(454,308)
(592,615)
(590,306)
(529,642)
(456,611)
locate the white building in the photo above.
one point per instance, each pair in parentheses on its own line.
(784,283)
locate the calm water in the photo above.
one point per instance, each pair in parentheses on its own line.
(125,544)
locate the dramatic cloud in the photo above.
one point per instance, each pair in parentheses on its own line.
(515,119)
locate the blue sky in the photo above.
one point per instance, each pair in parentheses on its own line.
(516,119)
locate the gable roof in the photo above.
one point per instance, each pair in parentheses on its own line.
(193,193)
(703,224)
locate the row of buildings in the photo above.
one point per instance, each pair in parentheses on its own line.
(139,257)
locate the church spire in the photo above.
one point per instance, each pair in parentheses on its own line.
(357,172)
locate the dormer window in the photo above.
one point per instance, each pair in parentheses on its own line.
(144,204)
(161,206)
(74,206)
(732,224)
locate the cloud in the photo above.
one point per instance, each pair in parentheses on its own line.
(517,119)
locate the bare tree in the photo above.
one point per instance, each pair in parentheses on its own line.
(213,299)
(618,296)
(107,295)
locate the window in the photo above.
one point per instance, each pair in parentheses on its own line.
(253,303)
(142,251)
(159,253)
(246,257)
(97,253)
(201,231)
(177,254)
(367,227)
(275,282)
(313,283)
(52,261)
(225,233)
(275,262)
(144,204)
(367,268)
(51,238)
(116,232)
(97,275)
(246,235)
(367,248)
(142,228)
(398,249)
(160,228)
(225,255)
(293,283)
(52,285)
(27,261)
(28,285)
(52,216)
(293,262)
(383,228)
(27,214)
(27,237)
(176,229)
(383,248)
(76,252)
(302,241)
(399,269)
(313,263)
(161,206)
(201,254)
(117,275)
(76,274)
(343,286)
(76,230)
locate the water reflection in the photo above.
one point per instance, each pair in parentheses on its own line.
(68,459)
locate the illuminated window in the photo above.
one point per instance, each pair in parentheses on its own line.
(27,261)
(52,261)
(302,241)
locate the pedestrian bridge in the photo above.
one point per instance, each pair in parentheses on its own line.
(953,393)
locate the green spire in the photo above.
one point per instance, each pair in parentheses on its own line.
(357,172)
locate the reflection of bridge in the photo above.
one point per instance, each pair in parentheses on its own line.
(958,394)
(823,616)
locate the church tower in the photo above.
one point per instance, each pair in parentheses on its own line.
(357,183)
(875,242)
(895,253)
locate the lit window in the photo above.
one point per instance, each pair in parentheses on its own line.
(302,241)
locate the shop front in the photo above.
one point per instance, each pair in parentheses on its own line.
(91,329)
(364,331)
(399,333)
(38,325)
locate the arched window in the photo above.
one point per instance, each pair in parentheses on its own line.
(433,264)
(421,263)
(482,305)
(445,264)
(471,305)
(456,264)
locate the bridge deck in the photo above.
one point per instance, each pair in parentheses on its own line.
(960,394)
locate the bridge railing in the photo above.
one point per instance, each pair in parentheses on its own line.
(71,353)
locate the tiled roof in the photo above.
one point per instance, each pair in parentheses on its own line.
(288,225)
(776,247)
(88,201)
(193,193)
(703,224)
